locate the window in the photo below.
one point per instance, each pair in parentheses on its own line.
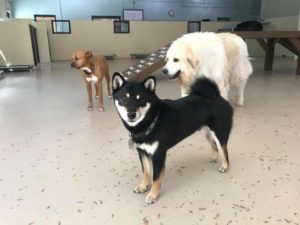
(38,17)
(61,26)
(193,26)
(113,18)
(121,26)
(133,14)
(226,19)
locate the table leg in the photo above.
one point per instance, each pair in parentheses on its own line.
(298,66)
(295,43)
(269,54)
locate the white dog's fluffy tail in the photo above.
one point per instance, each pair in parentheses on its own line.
(242,68)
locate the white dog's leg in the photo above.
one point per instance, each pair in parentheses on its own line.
(184,91)
(243,69)
(240,94)
(223,92)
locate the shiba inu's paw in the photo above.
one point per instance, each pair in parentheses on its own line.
(223,169)
(212,160)
(90,108)
(110,97)
(150,199)
(101,109)
(141,188)
(97,97)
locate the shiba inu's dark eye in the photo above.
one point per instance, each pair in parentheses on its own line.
(122,100)
(142,102)
(175,60)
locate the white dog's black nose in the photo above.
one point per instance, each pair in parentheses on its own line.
(131,115)
(165,71)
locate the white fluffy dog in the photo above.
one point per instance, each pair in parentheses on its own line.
(221,57)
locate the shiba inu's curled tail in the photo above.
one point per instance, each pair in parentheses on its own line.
(205,87)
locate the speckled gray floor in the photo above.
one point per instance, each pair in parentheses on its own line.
(63,165)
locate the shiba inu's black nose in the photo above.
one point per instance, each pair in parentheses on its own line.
(131,115)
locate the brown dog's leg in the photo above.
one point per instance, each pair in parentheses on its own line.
(107,78)
(90,98)
(100,94)
(96,88)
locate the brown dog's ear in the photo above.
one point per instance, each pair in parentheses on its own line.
(88,54)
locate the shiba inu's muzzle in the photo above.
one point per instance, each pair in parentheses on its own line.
(131,116)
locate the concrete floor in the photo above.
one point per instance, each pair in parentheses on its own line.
(63,165)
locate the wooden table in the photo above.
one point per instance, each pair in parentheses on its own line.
(145,67)
(268,39)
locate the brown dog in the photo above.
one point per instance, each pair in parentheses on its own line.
(95,68)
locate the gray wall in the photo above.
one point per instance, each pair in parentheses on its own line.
(153,9)
(279,8)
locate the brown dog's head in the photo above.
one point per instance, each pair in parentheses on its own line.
(81,58)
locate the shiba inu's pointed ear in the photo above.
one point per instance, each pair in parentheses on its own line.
(150,84)
(117,81)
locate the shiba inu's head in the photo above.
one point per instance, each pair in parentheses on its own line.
(133,99)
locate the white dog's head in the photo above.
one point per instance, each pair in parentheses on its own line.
(180,60)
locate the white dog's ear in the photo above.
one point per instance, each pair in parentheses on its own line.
(150,84)
(117,81)
(191,59)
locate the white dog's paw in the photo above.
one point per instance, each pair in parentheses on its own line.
(239,101)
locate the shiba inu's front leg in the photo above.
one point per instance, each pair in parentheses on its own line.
(158,162)
(146,167)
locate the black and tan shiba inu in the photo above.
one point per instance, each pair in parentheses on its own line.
(156,125)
